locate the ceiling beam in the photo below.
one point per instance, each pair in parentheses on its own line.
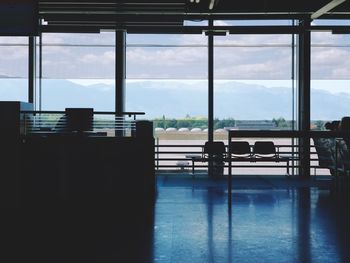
(328,7)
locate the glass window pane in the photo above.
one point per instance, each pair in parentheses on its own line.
(78,71)
(330,22)
(103,38)
(78,62)
(166,63)
(253,81)
(163,39)
(330,78)
(167,79)
(14,68)
(253,22)
(253,89)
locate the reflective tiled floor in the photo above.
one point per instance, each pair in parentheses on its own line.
(273,219)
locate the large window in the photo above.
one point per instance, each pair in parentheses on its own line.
(13,68)
(254,88)
(78,70)
(167,78)
(253,82)
(330,78)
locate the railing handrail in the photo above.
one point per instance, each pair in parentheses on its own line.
(131,113)
(286,134)
(167,158)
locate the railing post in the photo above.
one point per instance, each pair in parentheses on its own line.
(157,153)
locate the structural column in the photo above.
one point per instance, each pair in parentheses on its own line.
(120,75)
(32,69)
(304,75)
(210,94)
(210,85)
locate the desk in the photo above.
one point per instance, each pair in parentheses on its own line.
(87,171)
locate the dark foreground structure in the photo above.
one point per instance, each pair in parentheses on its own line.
(271,219)
(79,187)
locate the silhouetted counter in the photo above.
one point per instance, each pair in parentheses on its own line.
(87,170)
(69,166)
(11,130)
(88,199)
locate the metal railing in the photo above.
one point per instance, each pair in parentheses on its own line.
(99,123)
(169,157)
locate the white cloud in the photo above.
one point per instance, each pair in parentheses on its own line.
(166,56)
(55,50)
(341,73)
(248,61)
(14,40)
(222,23)
(193,39)
(329,56)
(53,38)
(248,40)
(263,70)
(106,58)
(325,38)
(13,53)
(331,63)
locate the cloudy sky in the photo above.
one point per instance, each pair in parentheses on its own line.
(252,59)
(237,57)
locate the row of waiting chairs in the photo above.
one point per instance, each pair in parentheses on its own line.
(242,149)
(332,153)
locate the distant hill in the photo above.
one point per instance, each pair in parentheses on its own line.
(176,99)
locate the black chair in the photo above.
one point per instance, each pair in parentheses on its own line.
(240,150)
(215,152)
(265,149)
(214,148)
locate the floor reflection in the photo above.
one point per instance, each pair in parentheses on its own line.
(282,223)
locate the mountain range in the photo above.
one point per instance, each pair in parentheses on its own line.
(177,99)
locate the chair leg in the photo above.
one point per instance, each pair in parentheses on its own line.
(287,168)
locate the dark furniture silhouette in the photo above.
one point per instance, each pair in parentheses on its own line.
(263,151)
(194,158)
(240,150)
(333,154)
(11,155)
(214,152)
(54,169)
(326,152)
(79,119)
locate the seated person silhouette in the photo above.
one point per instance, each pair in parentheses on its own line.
(344,126)
(332,126)
(326,148)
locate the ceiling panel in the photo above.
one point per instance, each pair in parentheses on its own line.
(111,14)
